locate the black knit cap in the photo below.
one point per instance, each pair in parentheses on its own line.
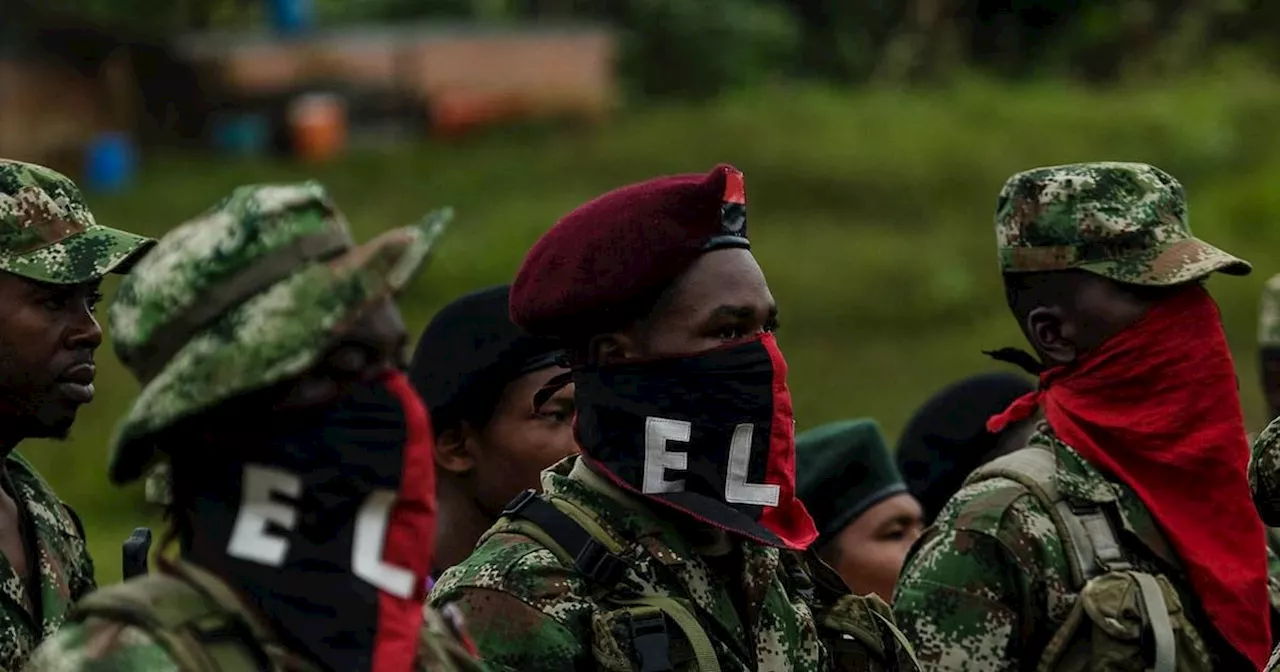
(470,352)
(947,438)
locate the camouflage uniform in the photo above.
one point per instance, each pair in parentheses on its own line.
(1269,314)
(66,571)
(310,282)
(1264,481)
(102,644)
(530,612)
(1269,339)
(1264,473)
(988,585)
(47,234)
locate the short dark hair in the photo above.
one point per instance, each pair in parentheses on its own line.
(1027,291)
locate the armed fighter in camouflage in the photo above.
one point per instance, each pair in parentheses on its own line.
(53,255)
(300,461)
(1084,547)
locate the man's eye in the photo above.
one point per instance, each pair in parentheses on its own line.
(555,415)
(730,333)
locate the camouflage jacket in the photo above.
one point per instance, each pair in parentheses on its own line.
(98,643)
(66,572)
(528,611)
(988,584)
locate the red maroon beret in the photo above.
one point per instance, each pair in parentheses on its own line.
(625,247)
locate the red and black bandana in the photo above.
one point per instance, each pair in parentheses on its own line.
(710,435)
(328,530)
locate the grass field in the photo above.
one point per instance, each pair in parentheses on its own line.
(870,212)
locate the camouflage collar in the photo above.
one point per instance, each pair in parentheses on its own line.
(571,480)
(1077,480)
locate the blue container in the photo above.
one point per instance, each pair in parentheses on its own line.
(291,17)
(110,163)
(244,134)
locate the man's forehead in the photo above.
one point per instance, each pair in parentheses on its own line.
(724,278)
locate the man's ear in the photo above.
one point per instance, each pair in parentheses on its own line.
(454,450)
(1053,334)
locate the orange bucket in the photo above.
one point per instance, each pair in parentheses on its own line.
(318,126)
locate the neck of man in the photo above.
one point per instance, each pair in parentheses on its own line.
(460,523)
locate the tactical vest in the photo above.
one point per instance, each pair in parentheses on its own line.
(658,633)
(202,635)
(1123,618)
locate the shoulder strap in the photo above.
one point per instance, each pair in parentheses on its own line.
(591,554)
(579,540)
(193,629)
(1087,532)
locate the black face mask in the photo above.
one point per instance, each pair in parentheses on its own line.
(710,435)
(328,527)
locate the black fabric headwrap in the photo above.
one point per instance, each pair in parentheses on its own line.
(947,437)
(470,352)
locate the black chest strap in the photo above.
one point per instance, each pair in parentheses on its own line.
(590,557)
(650,639)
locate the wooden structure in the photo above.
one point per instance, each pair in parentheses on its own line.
(462,75)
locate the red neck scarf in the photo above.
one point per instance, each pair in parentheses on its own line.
(1157,407)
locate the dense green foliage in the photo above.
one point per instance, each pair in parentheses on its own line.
(871,214)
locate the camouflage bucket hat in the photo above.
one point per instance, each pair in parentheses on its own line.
(1123,221)
(1269,314)
(247,295)
(48,234)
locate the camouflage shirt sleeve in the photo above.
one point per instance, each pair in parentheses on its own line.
(522,609)
(976,584)
(98,645)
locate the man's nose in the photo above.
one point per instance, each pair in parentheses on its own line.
(84,333)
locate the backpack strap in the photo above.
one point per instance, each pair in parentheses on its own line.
(1087,530)
(1157,612)
(191,627)
(1088,535)
(575,537)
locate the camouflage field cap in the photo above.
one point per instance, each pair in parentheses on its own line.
(247,295)
(1123,221)
(1269,314)
(48,234)
(1264,474)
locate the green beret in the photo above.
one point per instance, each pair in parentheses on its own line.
(843,469)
